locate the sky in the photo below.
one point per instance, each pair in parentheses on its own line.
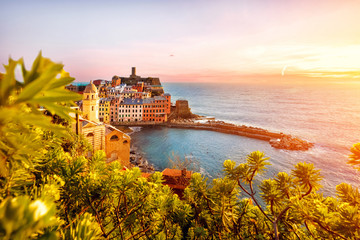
(188,40)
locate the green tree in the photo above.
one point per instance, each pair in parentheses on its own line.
(25,135)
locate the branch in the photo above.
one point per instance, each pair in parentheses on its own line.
(82,211)
(272,207)
(143,231)
(132,210)
(308,192)
(282,212)
(307,227)
(330,231)
(97,218)
(118,218)
(253,198)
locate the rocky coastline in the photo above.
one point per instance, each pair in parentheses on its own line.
(138,160)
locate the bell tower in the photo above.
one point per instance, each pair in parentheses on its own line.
(91,103)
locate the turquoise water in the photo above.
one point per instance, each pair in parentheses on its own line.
(328,115)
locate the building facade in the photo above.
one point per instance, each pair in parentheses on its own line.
(114,109)
(156,109)
(117,145)
(131,110)
(104,110)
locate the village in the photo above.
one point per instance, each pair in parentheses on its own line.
(123,100)
(106,104)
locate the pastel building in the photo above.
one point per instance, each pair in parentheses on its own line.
(114,109)
(116,91)
(131,110)
(104,110)
(104,91)
(129,93)
(139,87)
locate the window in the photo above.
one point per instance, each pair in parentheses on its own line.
(90,135)
(114,138)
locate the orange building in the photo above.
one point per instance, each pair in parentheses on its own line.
(116,81)
(114,109)
(177,179)
(117,145)
(139,86)
(156,109)
(112,141)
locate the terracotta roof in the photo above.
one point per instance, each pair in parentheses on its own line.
(175,173)
(145,175)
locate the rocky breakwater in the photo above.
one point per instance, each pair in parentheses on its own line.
(276,140)
(290,143)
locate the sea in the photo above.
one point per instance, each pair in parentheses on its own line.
(327,115)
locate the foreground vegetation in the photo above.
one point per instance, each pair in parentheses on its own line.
(50,190)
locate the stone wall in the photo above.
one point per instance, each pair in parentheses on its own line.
(95,136)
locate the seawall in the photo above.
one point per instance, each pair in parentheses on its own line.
(276,140)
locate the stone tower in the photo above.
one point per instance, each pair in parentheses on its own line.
(91,103)
(133,72)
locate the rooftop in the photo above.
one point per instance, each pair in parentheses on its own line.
(130,101)
(158,98)
(176,172)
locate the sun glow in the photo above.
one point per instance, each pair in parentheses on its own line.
(339,62)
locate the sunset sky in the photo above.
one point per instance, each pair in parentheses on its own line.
(188,40)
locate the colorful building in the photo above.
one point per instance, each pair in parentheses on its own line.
(104,110)
(116,91)
(115,81)
(104,90)
(114,109)
(177,179)
(139,87)
(156,109)
(131,110)
(129,93)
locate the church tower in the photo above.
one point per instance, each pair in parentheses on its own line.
(91,103)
